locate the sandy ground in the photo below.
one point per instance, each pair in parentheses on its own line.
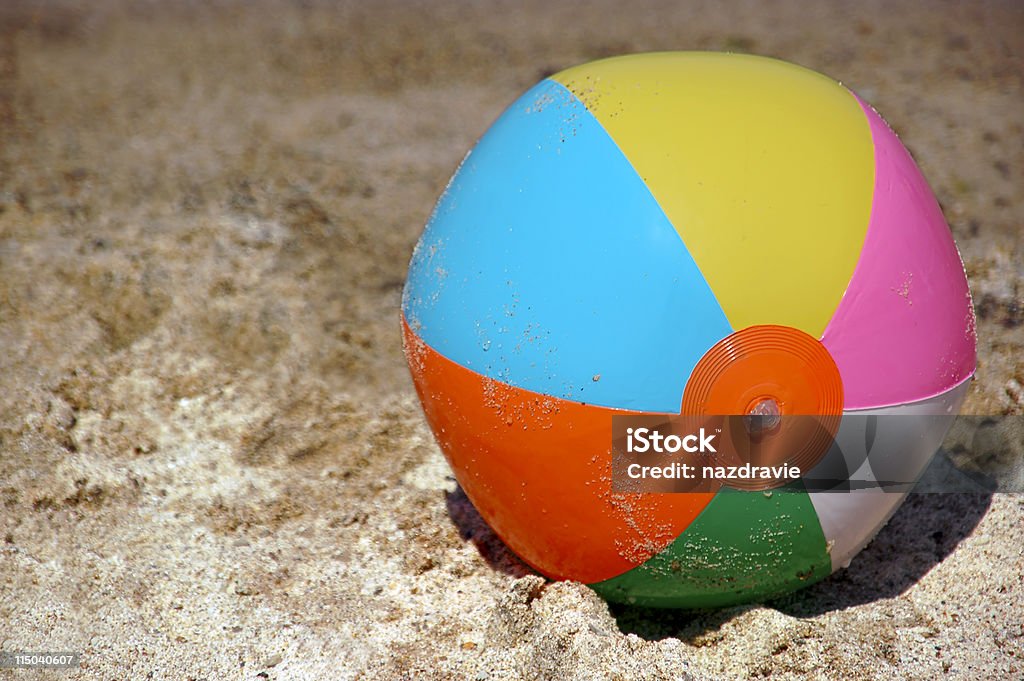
(213,463)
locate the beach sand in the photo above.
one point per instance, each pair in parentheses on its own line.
(212,461)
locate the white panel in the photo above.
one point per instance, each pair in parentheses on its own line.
(901,449)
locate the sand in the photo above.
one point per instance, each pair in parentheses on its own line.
(212,461)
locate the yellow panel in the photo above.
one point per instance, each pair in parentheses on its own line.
(765,169)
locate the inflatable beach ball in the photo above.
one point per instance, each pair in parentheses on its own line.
(671,233)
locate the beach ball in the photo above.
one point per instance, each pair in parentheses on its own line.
(675,232)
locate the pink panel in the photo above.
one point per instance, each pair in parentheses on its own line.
(904,330)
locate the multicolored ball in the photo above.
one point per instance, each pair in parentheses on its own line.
(616,224)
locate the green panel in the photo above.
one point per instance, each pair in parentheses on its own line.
(745,546)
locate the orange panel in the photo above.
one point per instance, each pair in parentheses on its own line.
(538,469)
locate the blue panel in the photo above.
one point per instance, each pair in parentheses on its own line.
(548,265)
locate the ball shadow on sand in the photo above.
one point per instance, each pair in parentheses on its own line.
(474,529)
(926,528)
